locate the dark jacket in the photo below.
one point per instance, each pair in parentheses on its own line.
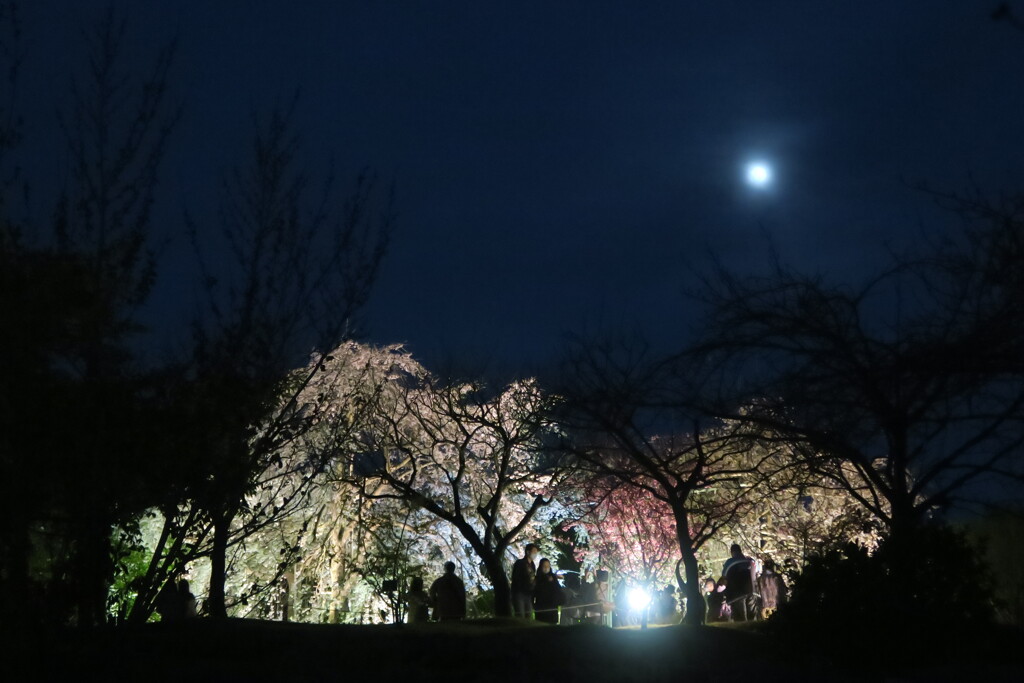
(739,580)
(547,596)
(524,575)
(448,596)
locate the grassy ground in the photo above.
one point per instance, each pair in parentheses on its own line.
(489,650)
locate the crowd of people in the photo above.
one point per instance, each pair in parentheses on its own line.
(537,592)
(739,594)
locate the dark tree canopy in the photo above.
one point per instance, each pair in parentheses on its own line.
(915,379)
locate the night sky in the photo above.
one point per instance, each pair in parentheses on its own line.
(564,167)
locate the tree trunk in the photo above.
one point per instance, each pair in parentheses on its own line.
(215,603)
(904,553)
(695,607)
(904,518)
(95,572)
(342,576)
(145,601)
(502,588)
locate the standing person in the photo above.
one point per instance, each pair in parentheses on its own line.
(667,605)
(168,603)
(186,601)
(176,602)
(547,594)
(592,608)
(448,595)
(623,613)
(418,602)
(772,588)
(524,577)
(738,578)
(603,595)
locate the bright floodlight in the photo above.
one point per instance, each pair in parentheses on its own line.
(759,174)
(638,598)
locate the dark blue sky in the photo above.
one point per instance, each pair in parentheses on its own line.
(562,166)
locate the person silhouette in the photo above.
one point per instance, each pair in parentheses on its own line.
(666,605)
(572,590)
(524,577)
(418,602)
(186,601)
(714,600)
(623,615)
(167,602)
(547,594)
(772,588)
(448,595)
(175,602)
(738,578)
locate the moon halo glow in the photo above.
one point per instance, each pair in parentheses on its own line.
(759,174)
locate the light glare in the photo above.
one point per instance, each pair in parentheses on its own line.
(638,598)
(759,174)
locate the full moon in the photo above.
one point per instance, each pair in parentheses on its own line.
(759,174)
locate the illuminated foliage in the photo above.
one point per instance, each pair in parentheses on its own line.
(472,460)
(630,532)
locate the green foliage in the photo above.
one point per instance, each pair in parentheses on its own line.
(131,560)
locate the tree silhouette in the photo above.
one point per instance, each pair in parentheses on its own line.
(631,416)
(906,392)
(296,273)
(73,294)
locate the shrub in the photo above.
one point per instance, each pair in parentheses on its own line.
(919,590)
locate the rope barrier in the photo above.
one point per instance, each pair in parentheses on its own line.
(743,597)
(605,606)
(555,609)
